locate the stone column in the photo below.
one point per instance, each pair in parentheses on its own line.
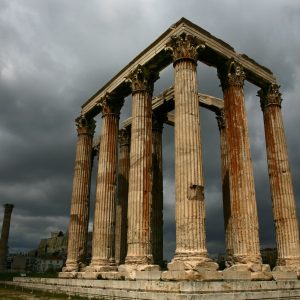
(190,210)
(225,186)
(4,235)
(284,207)
(79,215)
(139,252)
(104,215)
(244,220)
(157,191)
(122,199)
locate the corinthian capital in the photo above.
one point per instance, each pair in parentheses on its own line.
(231,74)
(184,46)
(85,125)
(142,79)
(270,95)
(110,105)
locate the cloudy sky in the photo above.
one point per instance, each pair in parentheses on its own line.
(55,54)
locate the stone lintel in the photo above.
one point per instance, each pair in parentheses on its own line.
(212,103)
(157,59)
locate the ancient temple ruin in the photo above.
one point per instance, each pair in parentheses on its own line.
(8,208)
(127,235)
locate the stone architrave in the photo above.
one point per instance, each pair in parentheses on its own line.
(284,207)
(225,185)
(244,219)
(139,251)
(79,215)
(122,199)
(190,209)
(8,208)
(104,215)
(157,191)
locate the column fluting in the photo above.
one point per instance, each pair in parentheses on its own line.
(244,219)
(8,208)
(104,215)
(139,252)
(122,199)
(225,186)
(157,190)
(189,182)
(283,200)
(79,215)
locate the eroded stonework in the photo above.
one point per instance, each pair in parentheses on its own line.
(128,217)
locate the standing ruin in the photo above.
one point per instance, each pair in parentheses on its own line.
(127,235)
(8,208)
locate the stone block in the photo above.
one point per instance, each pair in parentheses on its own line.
(207,266)
(148,275)
(236,275)
(112,276)
(70,275)
(88,275)
(261,276)
(209,276)
(238,267)
(279,275)
(175,275)
(176,266)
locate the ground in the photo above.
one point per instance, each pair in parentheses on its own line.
(11,293)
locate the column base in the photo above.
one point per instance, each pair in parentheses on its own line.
(101,265)
(192,261)
(249,271)
(291,269)
(69,275)
(130,271)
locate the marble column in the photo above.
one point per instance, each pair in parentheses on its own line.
(139,252)
(190,209)
(79,215)
(122,199)
(104,215)
(225,186)
(244,219)
(157,190)
(4,235)
(283,200)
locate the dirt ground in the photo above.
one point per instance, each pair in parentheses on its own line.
(9,293)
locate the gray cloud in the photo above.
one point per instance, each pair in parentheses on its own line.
(55,54)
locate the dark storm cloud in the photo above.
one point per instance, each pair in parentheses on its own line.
(55,54)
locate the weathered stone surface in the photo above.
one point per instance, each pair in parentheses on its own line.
(122,198)
(167,290)
(104,215)
(283,199)
(148,275)
(261,276)
(157,190)
(139,241)
(68,275)
(79,212)
(280,275)
(5,234)
(111,276)
(178,275)
(236,275)
(243,212)
(189,183)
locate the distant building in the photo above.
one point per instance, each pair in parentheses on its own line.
(56,245)
(20,262)
(49,264)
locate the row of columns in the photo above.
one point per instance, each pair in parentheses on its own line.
(138,207)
